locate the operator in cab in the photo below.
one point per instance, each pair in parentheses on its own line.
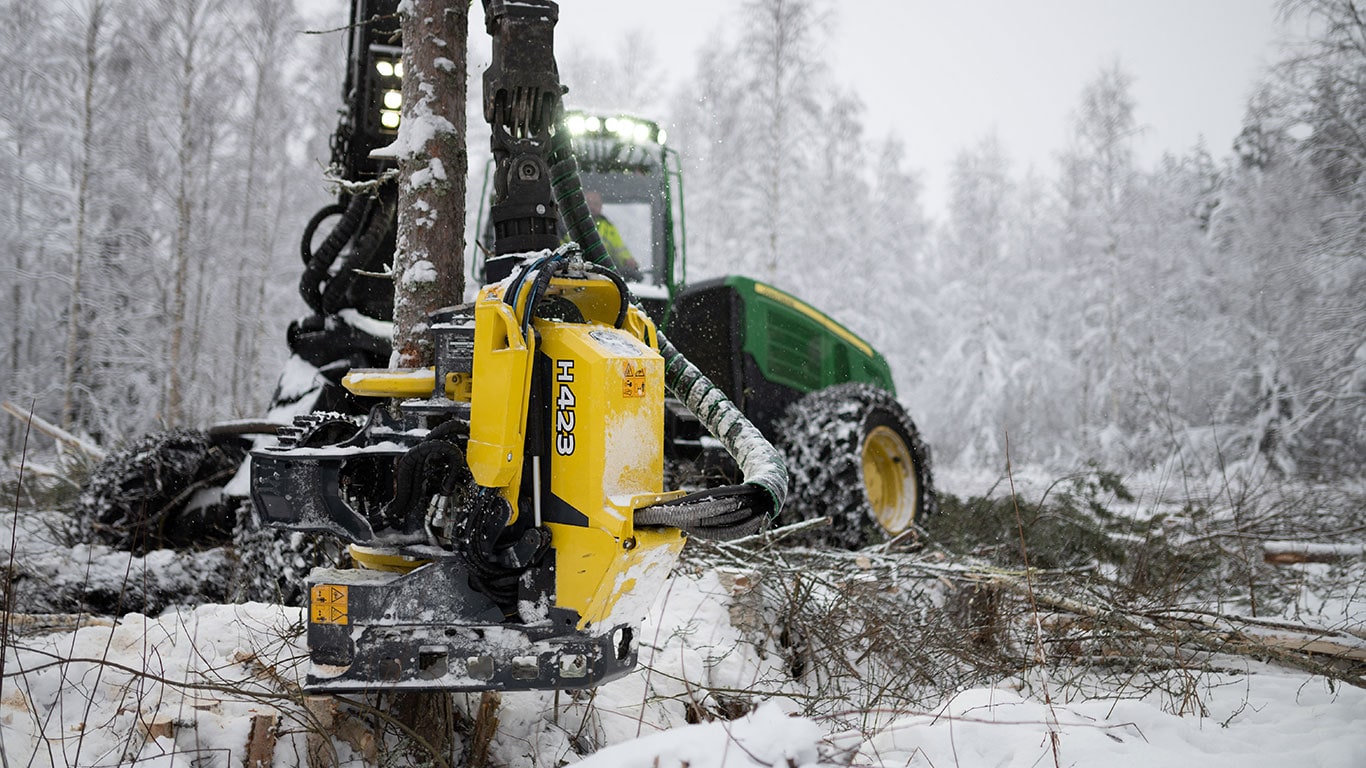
(611,239)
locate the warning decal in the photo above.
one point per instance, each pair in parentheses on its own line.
(327,604)
(632,379)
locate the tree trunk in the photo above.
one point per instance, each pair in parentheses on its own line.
(429,259)
(184,210)
(75,309)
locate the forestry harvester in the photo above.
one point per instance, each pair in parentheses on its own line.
(507,506)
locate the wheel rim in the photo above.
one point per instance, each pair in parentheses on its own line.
(889,479)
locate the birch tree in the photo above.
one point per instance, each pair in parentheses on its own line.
(266,42)
(711,135)
(26,80)
(95,20)
(194,40)
(783,91)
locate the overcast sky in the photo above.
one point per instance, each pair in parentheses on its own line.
(942,74)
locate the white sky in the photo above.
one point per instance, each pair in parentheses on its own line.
(942,74)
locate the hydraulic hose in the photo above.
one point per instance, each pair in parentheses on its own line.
(568,188)
(317,263)
(367,244)
(719,513)
(306,245)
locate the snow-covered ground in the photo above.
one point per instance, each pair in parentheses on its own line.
(186,688)
(721,682)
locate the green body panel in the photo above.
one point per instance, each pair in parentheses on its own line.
(798,346)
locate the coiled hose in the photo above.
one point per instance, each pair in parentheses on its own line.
(367,245)
(718,513)
(317,263)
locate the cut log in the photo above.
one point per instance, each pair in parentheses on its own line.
(261,742)
(1296,552)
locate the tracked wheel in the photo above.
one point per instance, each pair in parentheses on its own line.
(161,490)
(854,454)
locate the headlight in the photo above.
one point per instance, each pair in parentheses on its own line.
(388,118)
(386,68)
(393,99)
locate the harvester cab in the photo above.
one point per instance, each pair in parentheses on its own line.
(632,181)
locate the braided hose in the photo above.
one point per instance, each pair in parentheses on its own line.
(317,263)
(568,188)
(719,513)
(367,244)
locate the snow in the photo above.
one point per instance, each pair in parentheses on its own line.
(97,708)
(297,379)
(421,272)
(383,329)
(765,738)
(1310,549)
(435,172)
(714,687)
(415,133)
(205,672)
(1251,725)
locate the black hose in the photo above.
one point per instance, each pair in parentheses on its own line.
(317,263)
(367,244)
(413,476)
(622,290)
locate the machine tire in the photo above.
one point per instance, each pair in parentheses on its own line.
(847,448)
(143,496)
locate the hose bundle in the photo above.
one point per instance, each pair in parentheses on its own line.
(718,513)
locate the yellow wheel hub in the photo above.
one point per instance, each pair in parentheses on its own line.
(889,479)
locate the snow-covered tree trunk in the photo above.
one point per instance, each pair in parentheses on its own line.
(1100,180)
(428,260)
(188,25)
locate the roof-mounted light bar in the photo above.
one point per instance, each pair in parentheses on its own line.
(623,128)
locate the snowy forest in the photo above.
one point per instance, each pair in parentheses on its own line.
(162,157)
(1159,367)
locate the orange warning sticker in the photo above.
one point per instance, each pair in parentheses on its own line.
(327,604)
(632,379)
